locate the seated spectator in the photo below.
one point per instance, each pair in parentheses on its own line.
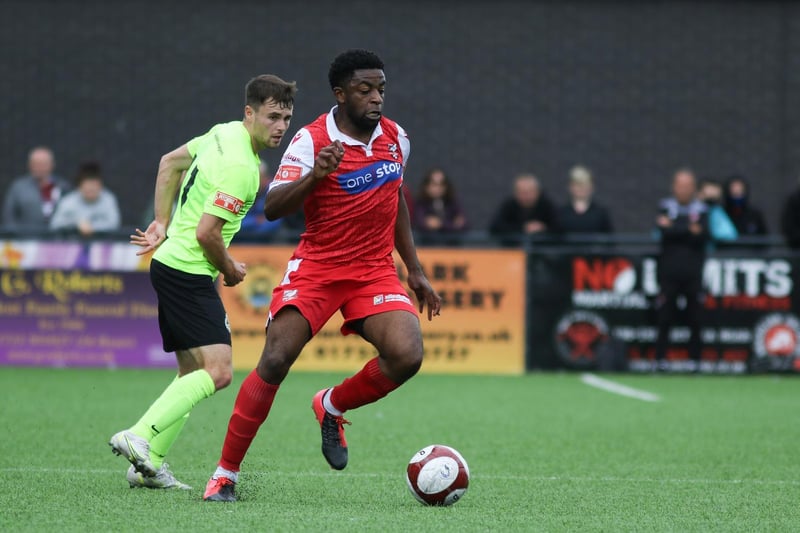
(790,220)
(582,214)
(255,222)
(436,207)
(720,225)
(90,209)
(748,220)
(32,198)
(528,212)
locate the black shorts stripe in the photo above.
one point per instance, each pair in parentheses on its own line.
(190,311)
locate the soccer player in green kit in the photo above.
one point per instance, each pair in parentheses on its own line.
(220,185)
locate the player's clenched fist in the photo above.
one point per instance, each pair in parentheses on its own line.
(328,159)
(235,275)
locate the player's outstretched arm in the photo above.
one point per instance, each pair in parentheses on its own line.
(287,198)
(170,171)
(417,281)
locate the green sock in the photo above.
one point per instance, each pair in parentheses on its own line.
(176,401)
(161,443)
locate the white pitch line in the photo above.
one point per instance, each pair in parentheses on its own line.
(489,477)
(618,388)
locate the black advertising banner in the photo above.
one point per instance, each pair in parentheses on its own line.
(596,311)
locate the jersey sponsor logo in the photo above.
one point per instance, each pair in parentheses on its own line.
(296,138)
(228,202)
(288,173)
(290,157)
(370,177)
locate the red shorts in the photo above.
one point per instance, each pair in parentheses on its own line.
(317,290)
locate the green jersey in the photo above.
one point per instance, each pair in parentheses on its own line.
(223,181)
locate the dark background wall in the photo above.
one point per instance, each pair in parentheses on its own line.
(486,89)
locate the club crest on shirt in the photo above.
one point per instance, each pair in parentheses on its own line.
(393,150)
(228,202)
(289,294)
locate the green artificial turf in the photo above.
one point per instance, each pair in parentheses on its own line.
(546,453)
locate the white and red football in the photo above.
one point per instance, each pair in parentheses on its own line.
(437,475)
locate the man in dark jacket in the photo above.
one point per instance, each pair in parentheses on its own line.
(528,212)
(683,227)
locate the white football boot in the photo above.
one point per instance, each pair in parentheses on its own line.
(164,479)
(135,449)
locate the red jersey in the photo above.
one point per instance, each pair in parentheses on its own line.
(350,215)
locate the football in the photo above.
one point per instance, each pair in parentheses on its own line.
(437,475)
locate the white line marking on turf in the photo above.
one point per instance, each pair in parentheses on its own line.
(618,388)
(490,477)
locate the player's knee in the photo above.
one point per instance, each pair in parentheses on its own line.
(222,376)
(405,360)
(413,365)
(274,366)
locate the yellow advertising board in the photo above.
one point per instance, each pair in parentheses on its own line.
(480,330)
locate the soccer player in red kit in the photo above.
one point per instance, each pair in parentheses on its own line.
(346,170)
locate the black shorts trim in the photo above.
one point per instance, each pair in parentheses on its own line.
(190,311)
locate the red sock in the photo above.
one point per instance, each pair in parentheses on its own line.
(367,386)
(250,410)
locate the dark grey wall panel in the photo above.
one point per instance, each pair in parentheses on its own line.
(486,89)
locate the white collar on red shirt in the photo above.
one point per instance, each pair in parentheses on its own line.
(336,134)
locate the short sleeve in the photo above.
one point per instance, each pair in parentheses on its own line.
(297,160)
(228,198)
(405,144)
(195,144)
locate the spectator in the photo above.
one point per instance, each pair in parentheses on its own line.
(720,226)
(32,198)
(748,220)
(683,228)
(255,222)
(528,212)
(582,214)
(790,220)
(90,209)
(436,207)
